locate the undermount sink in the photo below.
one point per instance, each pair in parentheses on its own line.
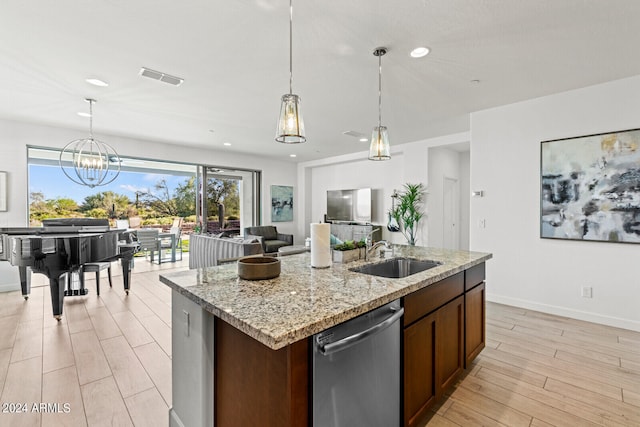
(396,268)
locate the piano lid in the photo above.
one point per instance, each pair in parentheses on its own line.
(77,222)
(61,225)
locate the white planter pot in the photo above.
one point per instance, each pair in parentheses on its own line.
(346,256)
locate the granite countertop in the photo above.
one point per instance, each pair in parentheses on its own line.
(303,300)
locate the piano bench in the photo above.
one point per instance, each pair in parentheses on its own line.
(97,267)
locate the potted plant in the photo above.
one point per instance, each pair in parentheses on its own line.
(409,210)
(348,251)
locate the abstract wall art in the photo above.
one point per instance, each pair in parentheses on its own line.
(281,203)
(590,188)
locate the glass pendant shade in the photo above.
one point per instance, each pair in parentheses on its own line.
(379,148)
(290,123)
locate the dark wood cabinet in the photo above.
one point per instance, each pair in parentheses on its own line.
(444,330)
(433,358)
(419,368)
(449,344)
(474,322)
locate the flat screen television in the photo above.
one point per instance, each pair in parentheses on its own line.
(349,205)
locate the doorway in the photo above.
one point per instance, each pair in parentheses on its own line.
(450,213)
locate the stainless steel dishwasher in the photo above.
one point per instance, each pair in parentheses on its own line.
(356,371)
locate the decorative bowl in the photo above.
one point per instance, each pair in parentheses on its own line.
(258,268)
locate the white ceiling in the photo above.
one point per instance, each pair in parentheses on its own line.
(233,56)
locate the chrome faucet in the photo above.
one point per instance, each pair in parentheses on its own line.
(368,240)
(370,249)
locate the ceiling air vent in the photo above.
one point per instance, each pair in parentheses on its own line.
(362,137)
(163,77)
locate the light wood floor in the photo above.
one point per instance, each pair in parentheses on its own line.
(544,370)
(110,361)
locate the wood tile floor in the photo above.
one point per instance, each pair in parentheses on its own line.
(544,370)
(109,363)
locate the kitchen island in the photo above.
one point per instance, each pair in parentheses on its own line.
(245,345)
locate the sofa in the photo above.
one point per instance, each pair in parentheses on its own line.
(209,251)
(269,237)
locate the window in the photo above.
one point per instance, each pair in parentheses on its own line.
(154,190)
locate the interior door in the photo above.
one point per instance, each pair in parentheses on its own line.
(450,214)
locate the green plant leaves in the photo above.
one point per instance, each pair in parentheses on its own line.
(409,210)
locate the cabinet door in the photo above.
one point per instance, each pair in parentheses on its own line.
(419,369)
(474,322)
(449,344)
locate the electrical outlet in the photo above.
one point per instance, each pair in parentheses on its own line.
(587,292)
(185,313)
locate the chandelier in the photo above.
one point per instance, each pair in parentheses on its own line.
(94,162)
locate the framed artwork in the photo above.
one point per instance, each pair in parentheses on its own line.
(590,187)
(281,203)
(3,191)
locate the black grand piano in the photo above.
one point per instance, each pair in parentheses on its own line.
(64,246)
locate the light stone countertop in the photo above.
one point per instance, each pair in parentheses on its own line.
(303,300)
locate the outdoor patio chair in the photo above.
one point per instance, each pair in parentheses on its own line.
(135,222)
(166,243)
(150,243)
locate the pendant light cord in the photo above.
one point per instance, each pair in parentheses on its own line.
(379,90)
(290,46)
(90,118)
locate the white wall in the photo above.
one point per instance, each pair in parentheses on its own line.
(409,163)
(15,136)
(539,273)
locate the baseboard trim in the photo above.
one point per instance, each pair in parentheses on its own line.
(8,287)
(174,419)
(617,322)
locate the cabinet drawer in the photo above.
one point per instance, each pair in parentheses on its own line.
(430,298)
(473,276)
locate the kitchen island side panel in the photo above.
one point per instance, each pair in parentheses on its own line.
(192,348)
(256,385)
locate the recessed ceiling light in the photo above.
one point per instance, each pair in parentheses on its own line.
(292,155)
(419,52)
(83,114)
(475,81)
(227,144)
(364,139)
(97,82)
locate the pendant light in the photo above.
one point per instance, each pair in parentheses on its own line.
(379,148)
(94,162)
(290,124)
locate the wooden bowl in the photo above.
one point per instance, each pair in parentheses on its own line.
(258,268)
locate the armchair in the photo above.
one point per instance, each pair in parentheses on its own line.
(268,237)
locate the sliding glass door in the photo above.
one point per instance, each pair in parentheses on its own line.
(228,199)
